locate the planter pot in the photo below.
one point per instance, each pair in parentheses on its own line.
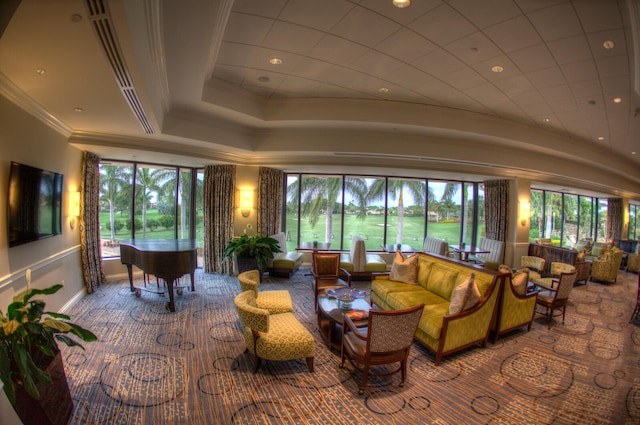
(246,264)
(55,405)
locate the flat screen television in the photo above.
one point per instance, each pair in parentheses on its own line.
(34,204)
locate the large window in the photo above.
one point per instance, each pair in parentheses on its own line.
(634,226)
(160,203)
(382,210)
(566,218)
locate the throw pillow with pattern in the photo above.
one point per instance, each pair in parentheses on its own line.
(519,281)
(404,270)
(465,296)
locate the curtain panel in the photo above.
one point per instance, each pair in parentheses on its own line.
(496,209)
(270,196)
(614,219)
(90,252)
(219,188)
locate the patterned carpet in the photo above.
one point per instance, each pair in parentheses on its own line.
(189,367)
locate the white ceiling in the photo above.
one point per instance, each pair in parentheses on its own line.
(198,76)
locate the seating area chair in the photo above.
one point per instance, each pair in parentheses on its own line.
(557,268)
(436,246)
(636,311)
(278,301)
(495,254)
(359,262)
(534,264)
(605,269)
(275,337)
(387,339)
(284,263)
(327,273)
(554,294)
(516,308)
(633,263)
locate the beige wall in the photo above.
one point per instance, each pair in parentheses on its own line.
(28,140)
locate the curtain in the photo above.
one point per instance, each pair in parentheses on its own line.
(614,219)
(270,196)
(90,252)
(496,209)
(219,188)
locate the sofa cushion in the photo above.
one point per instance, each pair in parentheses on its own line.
(290,260)
(424,270)
(402,300)
(384,287)
(465,296)
(358,253)
(404,269)
(431,319)
(442,280)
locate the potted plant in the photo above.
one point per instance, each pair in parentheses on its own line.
(257,249)
(30,361)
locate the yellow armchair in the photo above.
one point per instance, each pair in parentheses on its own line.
(605,268)
(516,307)
(633,263)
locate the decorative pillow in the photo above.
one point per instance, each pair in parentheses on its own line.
(503,268)
(580,256)
(519,282)
(404,270)
(465,296)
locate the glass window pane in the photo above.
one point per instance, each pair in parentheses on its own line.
(155,198)
(468,221)
(115,206)
(480,225)
(446,204)
(602,220)
(356,219)
(184,204)
(633,222)
(319,201)
(570,222)
(199,218)
(537,215)
(291,220)
(405,212)
(553,217)
(585,228)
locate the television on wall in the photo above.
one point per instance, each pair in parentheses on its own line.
(34,204)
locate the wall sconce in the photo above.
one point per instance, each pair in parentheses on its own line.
(74,208)
(246,202)
(525,212)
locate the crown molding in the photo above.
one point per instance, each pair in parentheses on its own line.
(13,93)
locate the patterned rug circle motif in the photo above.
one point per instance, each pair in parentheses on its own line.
(215,383)
(133,379)
(485,405)
(633,402)
(536,374)
(605,381)
(226,364)
(93,406)
(385,401)
(155,313)
(419,403)
(302,402)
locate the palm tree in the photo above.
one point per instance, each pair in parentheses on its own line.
(396,190)
(113,180)
(320,194)
(150,180)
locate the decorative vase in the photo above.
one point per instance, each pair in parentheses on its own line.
(55,405)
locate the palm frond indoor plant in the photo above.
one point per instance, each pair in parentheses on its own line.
(259,248)
(28,345)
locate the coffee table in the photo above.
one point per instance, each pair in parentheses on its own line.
(331,318)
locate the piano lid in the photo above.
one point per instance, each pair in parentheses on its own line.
(161,245)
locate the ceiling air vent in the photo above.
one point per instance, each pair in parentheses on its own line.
(101,19)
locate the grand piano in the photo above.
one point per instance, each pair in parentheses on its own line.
(167,259)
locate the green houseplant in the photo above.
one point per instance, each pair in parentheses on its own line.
(258,248)
(28,345)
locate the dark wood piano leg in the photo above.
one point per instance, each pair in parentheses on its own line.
(129,267)
(171,305)
(193,282)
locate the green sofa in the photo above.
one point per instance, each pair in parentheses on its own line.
(437,276)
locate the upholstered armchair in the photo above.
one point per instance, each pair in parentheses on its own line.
(387,340)
(286,262)
(275,337)
(557,268)
(327,273)
(633,263)
(534,264)
(605,269)
(516,307)
(277,301)
(554,294)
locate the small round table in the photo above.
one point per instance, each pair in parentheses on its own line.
(331,318)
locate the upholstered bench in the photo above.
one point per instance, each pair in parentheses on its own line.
(360,263)
(278,301)
(284,263)
(270,336)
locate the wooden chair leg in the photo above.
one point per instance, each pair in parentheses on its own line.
(365,378)
(310,364)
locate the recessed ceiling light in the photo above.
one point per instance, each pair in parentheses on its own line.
(275,61)
(41,71)
(383,90)
(76,17)
(78,109)
(264,79)
(608,44)
(600,138)
(546,119)
(633,153)
(402,3)
(617,99)
(497,68)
